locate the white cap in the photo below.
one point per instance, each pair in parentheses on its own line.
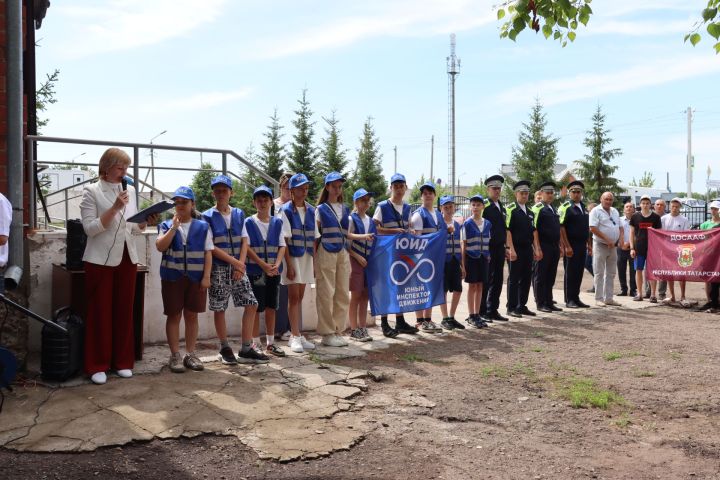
(645,197)
(715,204)
(676,199)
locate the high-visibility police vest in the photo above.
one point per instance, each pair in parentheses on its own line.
(453,243)
(188,259)
(361,247)
(229,240)
(333,230)
(303,234)
(391,218)
(428,225)
(266,249)
(476,242)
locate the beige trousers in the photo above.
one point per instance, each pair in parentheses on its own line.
(332,286)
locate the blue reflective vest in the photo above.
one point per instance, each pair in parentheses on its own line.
(189,259)
(333,230)
(476,242)
(303,234)
(453,244)
(226,239)
(267,249)
(390,216)
(362,248)
(428,225)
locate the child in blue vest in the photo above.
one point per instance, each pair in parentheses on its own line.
(475,237)
(228,276)
(361,233)
(186,245)
(266,250)
(426,220)
(393,216)
(298,228)
(332,262)
(454,269)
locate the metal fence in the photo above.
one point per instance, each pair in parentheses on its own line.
(696,215)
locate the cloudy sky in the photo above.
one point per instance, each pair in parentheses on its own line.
(211,72)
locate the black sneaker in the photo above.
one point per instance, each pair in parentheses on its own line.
(479,322)
(388,331)
(403,327)
(457,324)
(447,324)
(273,349)
(252,356)
(227,357)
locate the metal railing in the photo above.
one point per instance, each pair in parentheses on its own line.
(33,140)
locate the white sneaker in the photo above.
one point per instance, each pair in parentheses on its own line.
(295,344)
(286,336)
(612,303)
(599,303)
(99,378)
(342,340)
(307,345)
(124,373)
(333,341)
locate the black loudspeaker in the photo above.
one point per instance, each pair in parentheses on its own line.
(76,240)
(61,357)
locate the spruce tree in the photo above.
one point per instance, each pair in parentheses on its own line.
(303,155)
(272,157)
(333,157)
(596,168)
(535,157)
(242,190)
(368,171)
(201,187)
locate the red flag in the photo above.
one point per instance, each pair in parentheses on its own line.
(692,255)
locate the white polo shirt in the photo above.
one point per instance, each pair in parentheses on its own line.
(607,222)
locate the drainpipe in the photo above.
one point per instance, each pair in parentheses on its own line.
(14,79)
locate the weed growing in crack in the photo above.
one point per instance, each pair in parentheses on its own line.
(623,420)
(612,356)
(583,392)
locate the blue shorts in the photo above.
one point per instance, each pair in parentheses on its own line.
(640,262)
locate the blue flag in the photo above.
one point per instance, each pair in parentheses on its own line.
(405,272)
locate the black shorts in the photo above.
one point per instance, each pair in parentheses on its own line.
(476,269)
(267,294)
(453,276)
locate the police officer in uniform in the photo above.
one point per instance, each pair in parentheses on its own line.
(547,241)
(519,220)
(574,230)
(494,212)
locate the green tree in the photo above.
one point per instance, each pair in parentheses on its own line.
(45,96)
(647,180)
(712,25)
(242,190)
(368,170)
(596,169)
(535,157)
(333,157)
(478,189)
(303,154)
(201,187)
(416,196)
(273,155)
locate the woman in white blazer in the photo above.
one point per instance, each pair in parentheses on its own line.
(110,268)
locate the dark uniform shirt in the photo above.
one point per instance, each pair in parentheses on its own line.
(576,222)
(496,216)
(520,224)
(547,223)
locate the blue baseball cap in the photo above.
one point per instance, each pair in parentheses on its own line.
(298,180)
(333,177)
(361,192)
(221,180)
(262,190)
(477,197)
(445,199)
(429,185)
(184,192)
(397,177)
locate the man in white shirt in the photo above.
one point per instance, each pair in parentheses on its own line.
(623,253)
(678,223)
(5,220)
(607,233)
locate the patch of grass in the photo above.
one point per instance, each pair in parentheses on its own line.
(675,355)
(623,420)
(538,334)
(562,367)
(612,356)
(411,357)
(313,357)
(583,392)
(495,371)
(645,374)
(538,350)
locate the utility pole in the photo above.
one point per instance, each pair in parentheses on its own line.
(453,69)
(432,154)
(152,163)
(690,160)
(395,150)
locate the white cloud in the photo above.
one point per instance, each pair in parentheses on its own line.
(126,24)
(594,85)
(198,101)
(639,28)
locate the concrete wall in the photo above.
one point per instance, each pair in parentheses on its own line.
(46,248)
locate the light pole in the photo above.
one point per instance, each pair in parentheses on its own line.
(72,160)
(152,162)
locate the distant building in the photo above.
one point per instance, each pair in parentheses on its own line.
(55,179)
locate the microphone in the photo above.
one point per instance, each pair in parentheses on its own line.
(124,184)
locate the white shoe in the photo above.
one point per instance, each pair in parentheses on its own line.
(612,303)
(333,341)
(295,344)
(342,340)
(99,378)
(124,373)
(307,345)
(599,303)
(285,336)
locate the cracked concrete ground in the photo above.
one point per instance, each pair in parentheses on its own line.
(293,408)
